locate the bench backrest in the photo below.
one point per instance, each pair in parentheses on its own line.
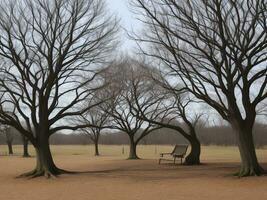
(180,149)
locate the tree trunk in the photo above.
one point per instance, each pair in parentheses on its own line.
(25,147)
(249,161)
(45,165)
(44,162)
(10,148)
(96,148)
(193,157)
(132,153)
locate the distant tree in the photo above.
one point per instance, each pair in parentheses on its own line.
(9,141)
(121,76)
(7,131)
(217,50)
(99,120)
(25,147)
(49,50)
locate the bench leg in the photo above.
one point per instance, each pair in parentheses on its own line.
(174,160)
(159,161)
(181,161)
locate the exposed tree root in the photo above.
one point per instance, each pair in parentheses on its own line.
(27,174)
(52,173)
(246,171)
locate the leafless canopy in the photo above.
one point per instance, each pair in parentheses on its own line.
(50,50)
(216,49)
(96,119)
(156,102)
(123,77)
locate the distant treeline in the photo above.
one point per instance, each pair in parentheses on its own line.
(217,135)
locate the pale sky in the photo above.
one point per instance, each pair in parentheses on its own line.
(127,20)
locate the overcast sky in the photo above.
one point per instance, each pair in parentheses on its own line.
(128,21)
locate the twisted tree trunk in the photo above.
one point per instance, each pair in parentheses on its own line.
(193,158)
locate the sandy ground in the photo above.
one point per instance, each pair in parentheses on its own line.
(111,177)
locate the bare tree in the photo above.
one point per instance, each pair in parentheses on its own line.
(158,103)
(7,131)
(49,50)
(99,120)
(217,50)
(120,107)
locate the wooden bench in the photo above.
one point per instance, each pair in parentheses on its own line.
(179,151)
